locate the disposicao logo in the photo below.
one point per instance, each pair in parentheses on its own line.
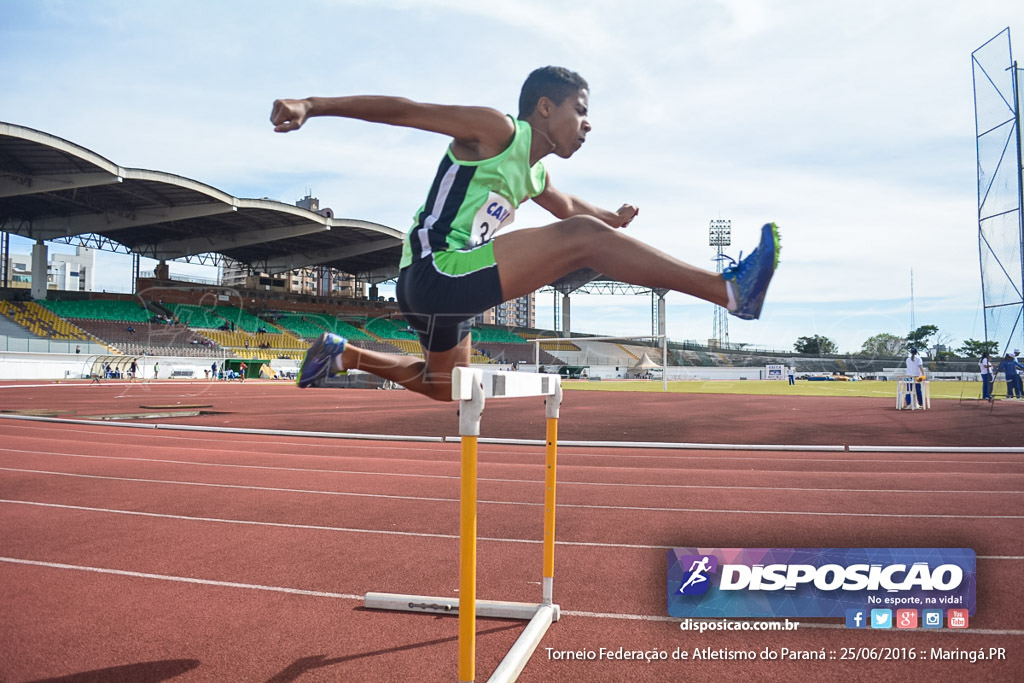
(696,580)
(817,582)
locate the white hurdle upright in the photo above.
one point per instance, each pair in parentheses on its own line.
(471,387)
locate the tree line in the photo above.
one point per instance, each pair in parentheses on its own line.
(886,344)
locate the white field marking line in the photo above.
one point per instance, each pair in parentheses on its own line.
(155,428)
(349,596)
(450,448)
(380,532)
(505,481)
(575,506)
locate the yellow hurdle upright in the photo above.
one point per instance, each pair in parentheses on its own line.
(471,387)
(467,561)
(550,466)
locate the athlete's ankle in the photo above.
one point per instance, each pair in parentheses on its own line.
(730,291)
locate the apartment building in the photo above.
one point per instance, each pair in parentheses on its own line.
(68,272)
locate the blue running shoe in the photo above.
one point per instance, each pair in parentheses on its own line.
(319,361)
(749,277)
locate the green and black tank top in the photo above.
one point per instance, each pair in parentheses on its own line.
(470,201)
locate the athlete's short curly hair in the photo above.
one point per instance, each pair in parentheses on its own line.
(554,82)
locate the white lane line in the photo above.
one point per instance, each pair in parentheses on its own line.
(226,430)
(273,489)
(183,579)
(244,522)
(452,447)
(403,534)
(381,532)
(236,445)
(434,499)
(349,596)
(455,477)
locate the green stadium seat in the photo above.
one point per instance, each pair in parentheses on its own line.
(389,329)
(98,309)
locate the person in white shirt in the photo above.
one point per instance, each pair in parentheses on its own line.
(915,371)
(985,365)
(1019,391)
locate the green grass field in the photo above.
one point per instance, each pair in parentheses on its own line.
(872,389)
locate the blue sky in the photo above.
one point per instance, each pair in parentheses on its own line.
(850,124)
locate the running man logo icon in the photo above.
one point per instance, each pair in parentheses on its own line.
(695,581)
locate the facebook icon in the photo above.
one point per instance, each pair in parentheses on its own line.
(856,618)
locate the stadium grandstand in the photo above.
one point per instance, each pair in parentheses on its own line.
(56,191)
(147,325)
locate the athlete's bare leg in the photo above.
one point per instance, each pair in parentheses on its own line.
(529,259)
(431,377)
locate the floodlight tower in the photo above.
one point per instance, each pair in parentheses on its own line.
(719,237)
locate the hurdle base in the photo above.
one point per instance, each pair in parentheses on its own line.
(540,617)
(491,609)
(514,662)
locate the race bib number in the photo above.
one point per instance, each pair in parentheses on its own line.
(496,213)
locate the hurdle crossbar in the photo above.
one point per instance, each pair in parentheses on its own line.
(472,387)
(664,349)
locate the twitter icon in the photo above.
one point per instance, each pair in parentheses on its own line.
(881,618)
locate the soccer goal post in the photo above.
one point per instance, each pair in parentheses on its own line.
(664,349)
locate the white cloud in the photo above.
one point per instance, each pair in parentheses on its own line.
(850,124)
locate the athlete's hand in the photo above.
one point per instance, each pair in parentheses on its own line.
(626,213)
(289,114)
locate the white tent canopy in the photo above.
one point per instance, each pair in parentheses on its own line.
(643,366)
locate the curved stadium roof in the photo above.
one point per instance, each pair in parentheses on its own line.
(53,189)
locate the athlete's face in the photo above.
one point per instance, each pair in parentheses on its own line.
(568,125)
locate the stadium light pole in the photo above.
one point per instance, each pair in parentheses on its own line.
(720,236)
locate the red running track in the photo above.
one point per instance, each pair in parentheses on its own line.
(143,555)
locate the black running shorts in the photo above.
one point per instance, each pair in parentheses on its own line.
(440,294)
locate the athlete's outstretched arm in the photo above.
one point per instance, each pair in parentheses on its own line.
(563,205)
(478,130)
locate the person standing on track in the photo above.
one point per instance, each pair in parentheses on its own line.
(987,376)
(1019,385)
(915,372)
(1010,369)
(452,268)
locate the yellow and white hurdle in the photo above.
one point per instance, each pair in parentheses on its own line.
(471,387)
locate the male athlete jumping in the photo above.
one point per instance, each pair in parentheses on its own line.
(453,268)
